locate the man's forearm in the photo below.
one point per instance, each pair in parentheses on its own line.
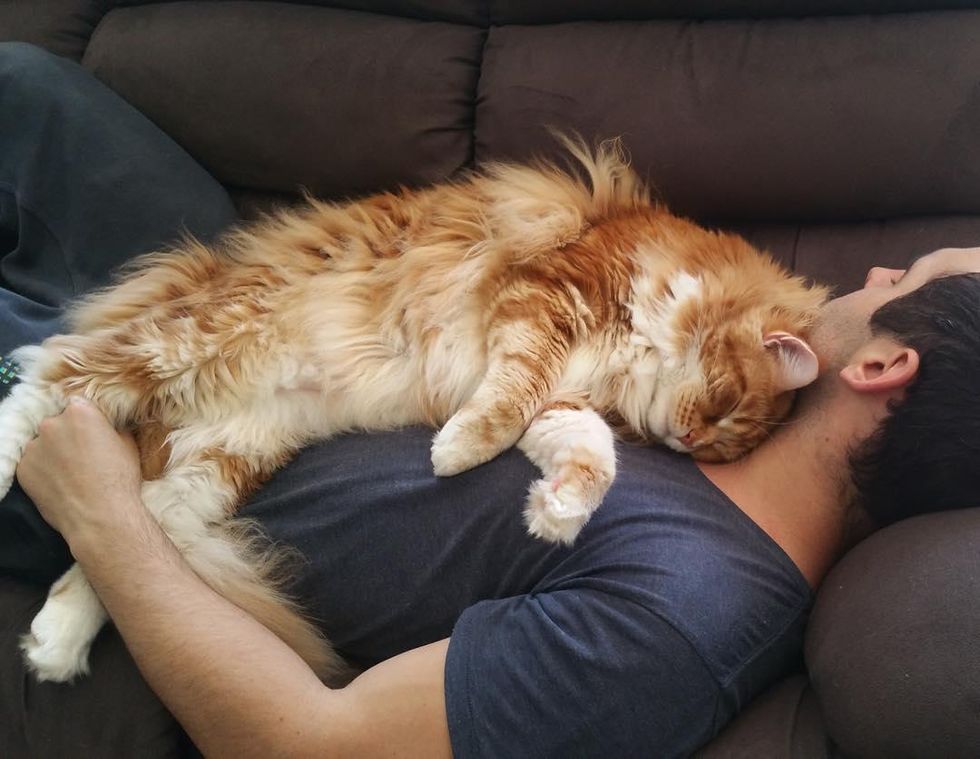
(233,685)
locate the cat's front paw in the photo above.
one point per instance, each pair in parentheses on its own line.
(556,512)
(52,649)
(575,450)
(460,446)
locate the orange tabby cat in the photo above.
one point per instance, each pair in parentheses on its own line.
(520,304)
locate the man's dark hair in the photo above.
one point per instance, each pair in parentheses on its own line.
(925,455)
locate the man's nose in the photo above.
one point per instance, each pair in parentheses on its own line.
(879,276)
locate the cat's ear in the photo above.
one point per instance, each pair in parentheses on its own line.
(796,363)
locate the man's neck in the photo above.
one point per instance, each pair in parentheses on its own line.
(790,486)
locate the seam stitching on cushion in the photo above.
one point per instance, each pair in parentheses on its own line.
(791,724)
(95,31)
(475,93)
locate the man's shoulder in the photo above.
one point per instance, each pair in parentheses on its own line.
(671,543)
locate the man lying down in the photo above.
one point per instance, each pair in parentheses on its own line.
(683,598)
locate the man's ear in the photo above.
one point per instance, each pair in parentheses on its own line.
(881,366)
(796,363)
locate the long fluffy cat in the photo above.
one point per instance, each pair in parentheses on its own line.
(521,303)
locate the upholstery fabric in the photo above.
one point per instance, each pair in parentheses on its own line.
(61,26)
(836,133)
(841,253)
(790,705)
(893,647)
(473,12)
(148,733)
(556,11)
(365,102)
(829,119)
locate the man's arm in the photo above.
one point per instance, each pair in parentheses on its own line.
(234,686)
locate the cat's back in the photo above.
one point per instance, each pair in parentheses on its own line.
(516,210)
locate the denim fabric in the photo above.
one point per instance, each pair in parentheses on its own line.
(86,183)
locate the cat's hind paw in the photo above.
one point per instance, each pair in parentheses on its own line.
(556,512)
(56,649)
(51,650)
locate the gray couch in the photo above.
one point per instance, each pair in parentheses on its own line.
(836,134)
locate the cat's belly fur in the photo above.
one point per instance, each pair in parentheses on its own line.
(373,373)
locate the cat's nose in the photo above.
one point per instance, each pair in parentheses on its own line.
(689,439)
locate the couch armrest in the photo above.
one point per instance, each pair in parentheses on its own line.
(783,723)
(893,646)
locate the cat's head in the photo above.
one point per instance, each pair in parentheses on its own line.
(730,363)
(740,385)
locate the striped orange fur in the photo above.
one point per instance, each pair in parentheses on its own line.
(474,305)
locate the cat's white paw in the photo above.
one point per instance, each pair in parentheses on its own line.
(458,447)
(575,450)
(556,511)
(20,414)
(447,460)
(53,650)
(61,635)
(11,448)
(6,480)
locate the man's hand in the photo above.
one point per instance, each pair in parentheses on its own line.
(239,690)
(80,472)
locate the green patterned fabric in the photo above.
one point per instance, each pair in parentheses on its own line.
(8,370)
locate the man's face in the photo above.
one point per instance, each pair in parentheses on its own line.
(843,322)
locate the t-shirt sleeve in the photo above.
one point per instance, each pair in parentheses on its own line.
(574,673)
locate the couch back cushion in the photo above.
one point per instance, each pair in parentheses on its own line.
(280,96)
(837,118)
(838,133)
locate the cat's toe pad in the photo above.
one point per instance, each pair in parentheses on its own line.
(556,512)
(51,649)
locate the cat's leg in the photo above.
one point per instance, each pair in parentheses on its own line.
(573,447)
(184,501)
(29,403)
(191,502)
(490,422)
(57,646)
(526,356)
(61,635)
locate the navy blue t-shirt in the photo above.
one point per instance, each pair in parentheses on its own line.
(668,614)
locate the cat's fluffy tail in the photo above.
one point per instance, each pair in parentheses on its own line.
(614,185)
(237,563)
